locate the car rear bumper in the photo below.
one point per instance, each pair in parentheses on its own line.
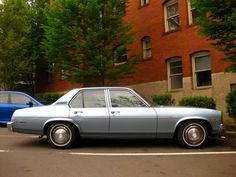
(9,126)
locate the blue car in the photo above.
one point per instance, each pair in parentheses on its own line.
(13,100)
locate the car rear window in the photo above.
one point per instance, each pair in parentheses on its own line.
(3,98)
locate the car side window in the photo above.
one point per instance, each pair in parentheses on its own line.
(77,102)
(19,99)
(4,98)
(89,99)
(123,98)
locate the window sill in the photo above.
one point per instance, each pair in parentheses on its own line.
(170,32)
(191,25)
(203,87)
(147,59)
(175,90)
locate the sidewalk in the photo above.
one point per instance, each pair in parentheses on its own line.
(230,128)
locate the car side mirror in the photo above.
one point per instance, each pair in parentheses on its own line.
(30,103)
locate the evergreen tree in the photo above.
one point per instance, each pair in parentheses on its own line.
(217,20)
(84,38)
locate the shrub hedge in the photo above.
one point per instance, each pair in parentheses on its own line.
(198,101)
(48,98)
(231,103)
(163,99)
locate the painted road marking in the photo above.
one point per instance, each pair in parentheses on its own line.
(138,154)
(18,136)
(153,154)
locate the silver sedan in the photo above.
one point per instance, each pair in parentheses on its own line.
(115,112)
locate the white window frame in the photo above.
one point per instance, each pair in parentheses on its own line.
(194,58)
(166,5)
(190,14)
(175,59)
(144,2)
(146,49)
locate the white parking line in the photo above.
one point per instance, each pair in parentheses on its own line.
(153,154)
(4,150)
(137,154)
(18,136)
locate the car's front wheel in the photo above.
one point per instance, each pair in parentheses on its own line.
(193,134)
(61,135)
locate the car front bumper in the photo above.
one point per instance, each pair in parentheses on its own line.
(222,130)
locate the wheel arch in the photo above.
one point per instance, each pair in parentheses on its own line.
(52,121)
(183,121)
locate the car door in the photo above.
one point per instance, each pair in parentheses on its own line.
(89,110)
(130,116)
(6,109)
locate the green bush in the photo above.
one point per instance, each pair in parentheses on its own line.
(198,101)
(163,99)
(48,98)
(231,103)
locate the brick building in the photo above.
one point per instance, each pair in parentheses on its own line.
(176,58)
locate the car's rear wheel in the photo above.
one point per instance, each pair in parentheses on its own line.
(61,135)
(193,134)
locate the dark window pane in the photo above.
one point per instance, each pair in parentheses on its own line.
(203,78)
(203,63)
(195,14)
(147,52)
(176,67)
(121,54)
(176,82)
(173,23)
(172,10)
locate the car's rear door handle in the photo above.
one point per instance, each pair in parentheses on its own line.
(77,112)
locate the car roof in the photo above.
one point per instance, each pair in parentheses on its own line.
(69,95)
(8,91)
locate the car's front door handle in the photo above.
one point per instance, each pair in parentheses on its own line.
(115,112)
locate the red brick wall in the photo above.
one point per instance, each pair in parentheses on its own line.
(149,21)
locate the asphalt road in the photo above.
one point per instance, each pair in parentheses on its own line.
(27,156)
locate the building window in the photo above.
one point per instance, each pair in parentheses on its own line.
(171,10)
(175,73)
(146,46)
(144,2)
(201,69)
(232,87)
(192,13)
(120,55)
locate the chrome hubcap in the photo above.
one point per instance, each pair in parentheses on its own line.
(194,135)
(61,135)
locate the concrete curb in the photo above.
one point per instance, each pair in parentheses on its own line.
(230,133)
